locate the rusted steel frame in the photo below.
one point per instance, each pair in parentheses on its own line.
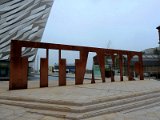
(62,70)
(141,66)
(18,68)
(137,67)
(113,64)
(111,54)
(101,62)
(68,47)
(80,65)
(19,65)
(43,72)
(129,57)
(121,66)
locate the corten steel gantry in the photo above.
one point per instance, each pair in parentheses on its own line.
(19,64)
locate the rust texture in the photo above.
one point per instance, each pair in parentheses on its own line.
(101,62)
(81,67)
(44,72)
(62,72)
(19,64)
(128,68)
(141,67)
(18,68)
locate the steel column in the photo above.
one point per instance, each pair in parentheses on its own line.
(128,67)
(141,66)
(80,65)
(62,70)
(44,72)
(18,68)
(101,62)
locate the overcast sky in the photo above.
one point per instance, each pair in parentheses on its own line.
(127,24)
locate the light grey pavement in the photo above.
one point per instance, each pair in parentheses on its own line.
(83,93)
(79,94)
(142,114)
(20,113)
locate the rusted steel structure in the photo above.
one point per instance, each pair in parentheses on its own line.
(19,64)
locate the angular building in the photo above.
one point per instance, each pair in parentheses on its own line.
(22,20)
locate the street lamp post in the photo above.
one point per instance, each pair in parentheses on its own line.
(158,28)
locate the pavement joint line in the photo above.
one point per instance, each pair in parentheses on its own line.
(107,89)
(141,108)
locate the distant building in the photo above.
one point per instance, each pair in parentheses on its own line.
(50,69)
(96,68)
(70,68)
(4,70)
(151,64)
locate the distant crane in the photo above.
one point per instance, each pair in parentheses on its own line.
(108,44)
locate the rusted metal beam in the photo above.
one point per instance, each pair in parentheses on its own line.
(69,47)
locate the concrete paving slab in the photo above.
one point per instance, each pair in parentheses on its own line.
(80,93)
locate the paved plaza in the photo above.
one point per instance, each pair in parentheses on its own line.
(20,113)
(77,95)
